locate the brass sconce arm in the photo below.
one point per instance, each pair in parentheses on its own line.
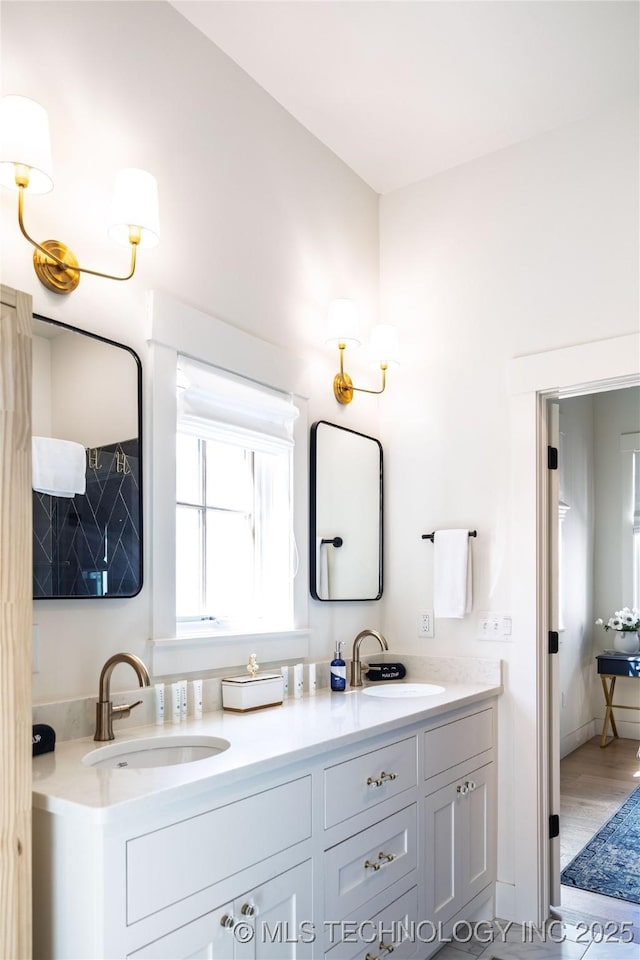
(55,264)
(343,388)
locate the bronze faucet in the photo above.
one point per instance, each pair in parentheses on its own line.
(356,666)
(106,713)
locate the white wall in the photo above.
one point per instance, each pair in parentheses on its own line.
(261,226)
(527,250)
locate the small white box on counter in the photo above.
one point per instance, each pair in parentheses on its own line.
(251,693)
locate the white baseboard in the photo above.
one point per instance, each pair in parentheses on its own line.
(571,741)
(627,729)
(505,900)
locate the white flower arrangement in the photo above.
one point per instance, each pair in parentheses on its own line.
(626,620)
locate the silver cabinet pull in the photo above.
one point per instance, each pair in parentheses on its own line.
(378,781)
(227,921)
(462,789)
(248,910)
(385,948)
(382,858)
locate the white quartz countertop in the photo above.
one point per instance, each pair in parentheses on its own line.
(297,730)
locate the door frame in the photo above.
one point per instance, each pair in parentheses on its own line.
(532,380)
(16,606)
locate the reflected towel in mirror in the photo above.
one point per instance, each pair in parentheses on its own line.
(452,577)
(58,467)
(322,569)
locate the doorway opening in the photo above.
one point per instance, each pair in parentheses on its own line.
(593,572)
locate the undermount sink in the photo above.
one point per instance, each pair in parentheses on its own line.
(398,691)
(155,752)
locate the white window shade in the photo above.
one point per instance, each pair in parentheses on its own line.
(210,395)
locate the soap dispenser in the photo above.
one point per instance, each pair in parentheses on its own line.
(338,669)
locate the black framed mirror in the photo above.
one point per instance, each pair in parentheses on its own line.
(346,511)
(87,464)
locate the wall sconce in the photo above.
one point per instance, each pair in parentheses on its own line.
(25,166)
(343,332)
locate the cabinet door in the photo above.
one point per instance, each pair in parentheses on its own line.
(460,842)
(478,849)
(443,853)
(203,939)
(274,921)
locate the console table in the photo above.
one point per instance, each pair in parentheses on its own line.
(612,665)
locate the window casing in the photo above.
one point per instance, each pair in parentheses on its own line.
(235,550)
(176,330)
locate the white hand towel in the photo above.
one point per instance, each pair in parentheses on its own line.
(58,467)
(452,580)
(322,569)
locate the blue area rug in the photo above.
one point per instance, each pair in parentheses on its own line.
(609,864)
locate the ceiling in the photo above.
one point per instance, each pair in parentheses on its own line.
(403,90)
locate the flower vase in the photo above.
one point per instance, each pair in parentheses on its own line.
(625,641)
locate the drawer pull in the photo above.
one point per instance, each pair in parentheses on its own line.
(248,910)
(373,864)
(227,921)
(387,857)
(378,781)
(384,948)
(471,784)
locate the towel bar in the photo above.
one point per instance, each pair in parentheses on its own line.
(430,536)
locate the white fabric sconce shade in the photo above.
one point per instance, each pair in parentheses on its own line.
(343,323)
(25,142)
(385,348)
(135,204)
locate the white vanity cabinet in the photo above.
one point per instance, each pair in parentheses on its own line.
(160,885)
(459,813)
(340,853)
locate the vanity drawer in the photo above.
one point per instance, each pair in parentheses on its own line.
(169,864)
(454,742)
(392,927)
(362,782)
(363,866)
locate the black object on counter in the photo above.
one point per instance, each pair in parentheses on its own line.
(386,671)
(43,739)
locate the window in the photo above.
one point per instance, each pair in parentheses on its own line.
(235,551)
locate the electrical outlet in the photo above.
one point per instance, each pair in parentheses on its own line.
(425,623)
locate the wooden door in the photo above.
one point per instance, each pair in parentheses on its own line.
(15,624)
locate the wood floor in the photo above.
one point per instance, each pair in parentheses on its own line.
(593,783)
